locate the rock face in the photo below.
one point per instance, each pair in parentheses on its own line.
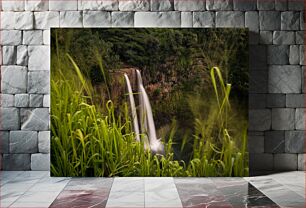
(122,19)
(157,19)
(97,19)
(23,141)
(196,5)
(22,100)
(39,58)
(45,20)
(285,79)
(9,54)
(203,19)
(39,82)
(283,118)
(71,19)
(260,120)
(229,19)
(11,37)
(16,161)
(44,142)
(96,5)
(13,79)
(134,5)
(40,161)
(37,120)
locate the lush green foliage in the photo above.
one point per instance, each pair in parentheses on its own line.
(93,136)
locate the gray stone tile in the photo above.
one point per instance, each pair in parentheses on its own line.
(285,162)
(294,141)
(274,141)
(23,142)
(283,119)
(260,119)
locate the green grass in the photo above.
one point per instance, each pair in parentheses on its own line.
(90,139)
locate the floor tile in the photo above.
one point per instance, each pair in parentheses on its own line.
(125,200)
(125,184)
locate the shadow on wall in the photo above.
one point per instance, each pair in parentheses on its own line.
(276,114)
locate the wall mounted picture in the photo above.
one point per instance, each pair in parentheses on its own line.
(149,102)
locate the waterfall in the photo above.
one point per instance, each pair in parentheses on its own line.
(133,108)
(148,126)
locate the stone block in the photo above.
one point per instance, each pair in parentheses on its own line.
(39,82)
(285,79)
(274,141)
(245,5)
(302,55)
(299,119)
(44,141)
(32,37)
(283,118)
(281,5)
(37,120)
(22,100)
(46,37)
(257,101)
(11,37)
(134,5)
(6,100)
(36,100)
(295,100)
(162,5)
(37,5)
(16,162)
(283,37)
(186,19)
(40,162)
(296,5)
(195,5)
(251,21)
(276,100)
(46,101)
(257,56)
(4,141)
(63,5)
(7,20)
(13,79)
(97,19)
(294,54)
(301,162)
(71,19)
(269,20)
(299,37)
(259,119)
(122,19)
(13,5)
(22,55)
(265,5)
(23,142)
(278,54)
(9,55)
(98,5)
(222,5)
(256,144)
(258,81)
(39,58)
(259,161)
(302,20)
(285,162)
(203,19)
(45,20)
(157,19)
(230,19)
(294,141)
(290,20)
(24,20)
(9,119)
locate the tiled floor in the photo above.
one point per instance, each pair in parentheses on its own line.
(37,189)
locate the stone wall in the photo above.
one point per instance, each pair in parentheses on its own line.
(276,130)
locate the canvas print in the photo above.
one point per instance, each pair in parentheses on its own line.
(149,102)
